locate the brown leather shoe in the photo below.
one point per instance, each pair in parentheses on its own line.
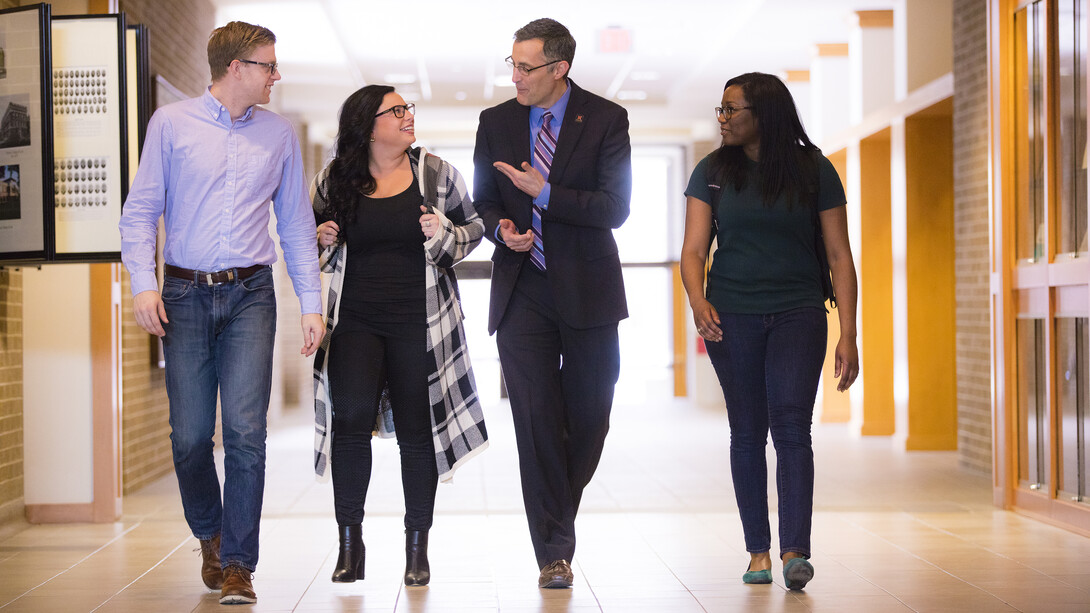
(238,587)
(555,575)
(211,572)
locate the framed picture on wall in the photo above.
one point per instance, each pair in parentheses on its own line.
(138,86)
(26,141)
(91,148)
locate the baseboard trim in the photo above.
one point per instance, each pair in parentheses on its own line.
(60,513)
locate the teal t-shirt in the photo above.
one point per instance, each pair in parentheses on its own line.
(765,260)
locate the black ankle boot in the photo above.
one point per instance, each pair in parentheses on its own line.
(417,571)
(350,560)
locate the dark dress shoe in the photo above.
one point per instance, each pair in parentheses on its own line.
(211,572)
(417,571)
(555,575)
(352,554)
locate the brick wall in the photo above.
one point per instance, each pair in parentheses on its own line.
(178,31)
(971,234)
(11,395)
(11,385)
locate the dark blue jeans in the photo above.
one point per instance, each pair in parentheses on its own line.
(220,340)
(769,367)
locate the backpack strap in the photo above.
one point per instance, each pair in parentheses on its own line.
(813,190)
(428,168)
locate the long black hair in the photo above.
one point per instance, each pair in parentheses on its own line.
(350,172)
(786,150)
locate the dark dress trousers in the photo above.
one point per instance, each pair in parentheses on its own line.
(557,330)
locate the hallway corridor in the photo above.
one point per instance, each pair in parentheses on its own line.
(659,532)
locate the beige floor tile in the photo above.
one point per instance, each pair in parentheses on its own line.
(658,531)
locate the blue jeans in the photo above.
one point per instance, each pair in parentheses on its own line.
(220,339)
(769,367)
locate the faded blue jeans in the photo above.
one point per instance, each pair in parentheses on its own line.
(220,339)
(769,367)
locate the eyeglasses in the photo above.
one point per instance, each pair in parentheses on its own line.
(399,110)
(271,67)
(523,70)
(726,112)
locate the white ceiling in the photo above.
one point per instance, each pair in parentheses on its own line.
(448,56)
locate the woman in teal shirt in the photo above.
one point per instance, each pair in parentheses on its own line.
(762,316)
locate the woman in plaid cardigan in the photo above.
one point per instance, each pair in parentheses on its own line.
(394,357)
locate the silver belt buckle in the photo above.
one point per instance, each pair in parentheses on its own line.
(208,278)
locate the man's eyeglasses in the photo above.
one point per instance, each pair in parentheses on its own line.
(523,70)
(399,110)
(726,112)
(270,67)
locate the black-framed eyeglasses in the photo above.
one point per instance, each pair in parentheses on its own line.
(399,110)
(523,70)
(726,112)
(270,67)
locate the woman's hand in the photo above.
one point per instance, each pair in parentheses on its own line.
(327,233)
(707,321)
(429,222)
(847,363)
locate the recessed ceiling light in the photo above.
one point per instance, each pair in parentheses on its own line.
(631,94)
(503,81)
(644,75)
(460,96)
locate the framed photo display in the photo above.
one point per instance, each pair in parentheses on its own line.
(26,141)
(138,86)
(91,147)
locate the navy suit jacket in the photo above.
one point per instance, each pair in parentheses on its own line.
(591,186)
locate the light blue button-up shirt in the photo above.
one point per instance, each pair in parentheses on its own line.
(211,179)
(536,120)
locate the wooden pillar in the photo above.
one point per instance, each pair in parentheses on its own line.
(875,256)
(929,276)
(105,299)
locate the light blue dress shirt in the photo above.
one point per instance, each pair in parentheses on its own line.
(536,115)
(211,179)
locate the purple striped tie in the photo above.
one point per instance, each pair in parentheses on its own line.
(543,160)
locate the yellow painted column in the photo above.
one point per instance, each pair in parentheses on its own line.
(680,332)
(929,277)
(875,256)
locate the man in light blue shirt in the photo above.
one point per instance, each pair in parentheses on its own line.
(210,166)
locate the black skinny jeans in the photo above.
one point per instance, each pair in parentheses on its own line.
(363,359)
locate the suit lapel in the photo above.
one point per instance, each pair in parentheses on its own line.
(570,131)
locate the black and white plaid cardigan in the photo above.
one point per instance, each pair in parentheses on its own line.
(458,429)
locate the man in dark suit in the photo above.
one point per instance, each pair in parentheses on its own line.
(553,178)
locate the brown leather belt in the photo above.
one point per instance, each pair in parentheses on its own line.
(212,278)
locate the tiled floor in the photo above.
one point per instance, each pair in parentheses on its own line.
(659,532)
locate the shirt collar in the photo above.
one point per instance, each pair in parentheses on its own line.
(218,111)
(557,109)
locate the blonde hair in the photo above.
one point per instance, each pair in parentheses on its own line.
(235,41)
